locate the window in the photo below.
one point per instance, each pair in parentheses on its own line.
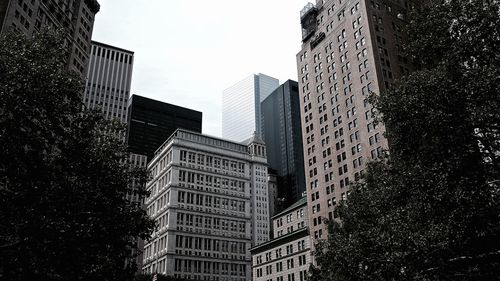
(341,15)
(289,263)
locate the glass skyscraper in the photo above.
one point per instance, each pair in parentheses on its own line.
(241,114)
(283,138)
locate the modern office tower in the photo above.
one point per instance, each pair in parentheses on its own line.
(151,122)
(241,115)
(288,255)
(75,16)
(349,49)
(283,138)
(204,194)
(109,76)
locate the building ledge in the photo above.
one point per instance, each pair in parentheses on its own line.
(303,232)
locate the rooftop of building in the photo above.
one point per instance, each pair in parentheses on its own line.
(93,5)
(253,139)
(204,139)
(153,104)
(299,233)
(291,84)
(110,47)
(254,76)
(299,203)
(308,7)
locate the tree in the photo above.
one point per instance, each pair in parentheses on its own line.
(64,173)
(430,210)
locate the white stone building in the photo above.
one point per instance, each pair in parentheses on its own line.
(209,199)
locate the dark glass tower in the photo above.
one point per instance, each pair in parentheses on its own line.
(283,138)
(151,122)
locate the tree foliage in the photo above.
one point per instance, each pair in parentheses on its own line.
(64,173)
(430,211)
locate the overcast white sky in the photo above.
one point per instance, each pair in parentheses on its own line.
(188,52)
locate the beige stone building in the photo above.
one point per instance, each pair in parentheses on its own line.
(209,199)
(287,256)
(350,48)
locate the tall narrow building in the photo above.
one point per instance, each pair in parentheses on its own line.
(76,17)
(241,113)
(350,48)
(109,77)
(208,197)
(283,138)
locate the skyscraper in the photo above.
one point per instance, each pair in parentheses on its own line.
(208,197)
(283,138)
(350,49)
(241,115)
(109,77)
(75,16)
(151,122)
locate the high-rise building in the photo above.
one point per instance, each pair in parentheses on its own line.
(151,122)
(241,115)
(283,138)
(109,76)
(208,197)
(288,255)
(350,48)
(75,16)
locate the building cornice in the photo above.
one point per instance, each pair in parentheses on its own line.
(100,44)
(303,232)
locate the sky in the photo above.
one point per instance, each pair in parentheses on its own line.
(187,52)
